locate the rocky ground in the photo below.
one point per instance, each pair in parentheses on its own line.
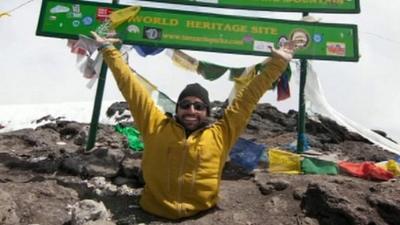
(47,178)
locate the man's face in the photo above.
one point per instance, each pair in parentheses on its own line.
(191,112)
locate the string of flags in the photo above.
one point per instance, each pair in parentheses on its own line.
(250,155)
(240,76)
(89,62)
(247,154)
(8,13)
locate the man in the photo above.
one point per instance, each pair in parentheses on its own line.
(184,155)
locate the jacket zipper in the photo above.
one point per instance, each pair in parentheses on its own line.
(180,179)
(194,173)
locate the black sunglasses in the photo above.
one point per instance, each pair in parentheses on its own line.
(199,106)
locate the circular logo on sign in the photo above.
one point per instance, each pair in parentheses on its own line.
(133,29)
(282,40)
(248,38)
(152,33)
(317,38)
(76,23)
(300,38)
(87,20)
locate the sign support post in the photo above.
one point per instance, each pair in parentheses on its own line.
(97,104)
(97,107)
(301,125)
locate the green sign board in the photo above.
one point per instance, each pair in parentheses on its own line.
(323,6)
(200,31)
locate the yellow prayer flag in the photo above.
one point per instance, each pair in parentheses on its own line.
(242,81)
(185,61)
(146,84)
(121,16)
(283,162)
(4,14)
(391,166)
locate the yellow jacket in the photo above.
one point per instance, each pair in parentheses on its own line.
(183,174)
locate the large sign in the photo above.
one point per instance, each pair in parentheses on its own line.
(323,6)
(200,31)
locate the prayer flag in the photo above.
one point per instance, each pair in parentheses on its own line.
(211,71)
(283,162)
(126,14)
(317,166)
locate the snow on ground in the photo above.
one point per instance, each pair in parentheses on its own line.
(14,117)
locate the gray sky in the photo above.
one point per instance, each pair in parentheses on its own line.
(41,70)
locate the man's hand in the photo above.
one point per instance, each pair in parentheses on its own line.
(286,51)
(104,41)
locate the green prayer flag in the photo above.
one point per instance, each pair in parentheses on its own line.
(236,72)
(133,135)
(317,166)
(211,71)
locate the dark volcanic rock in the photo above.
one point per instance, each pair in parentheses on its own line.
(336,132)
(44,203)
(117,107)
(387,206)
(42,174)
(325,203)
(98,162)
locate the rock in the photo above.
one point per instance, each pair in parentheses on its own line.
(383,134)
(35,189)
(8,214)
(298,193)
(100,222)
(80,139)
(117,107)
(119,181)
(37,202)
(310,221)
(388,209)
(131,167)
(217,108)
(278,184)
(45,118)
(97,162)
(337,133)
(266,189)
(87,210)
(70,130)
(103,187)
(125,190)
(272,185)
(326,204)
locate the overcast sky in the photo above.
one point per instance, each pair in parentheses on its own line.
(37,70)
